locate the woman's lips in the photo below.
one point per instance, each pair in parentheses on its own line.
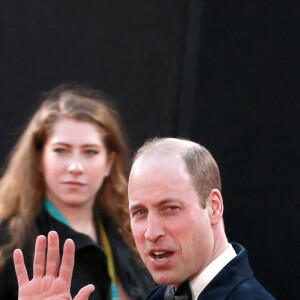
(74,184)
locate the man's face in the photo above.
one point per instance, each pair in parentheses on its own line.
(172,232)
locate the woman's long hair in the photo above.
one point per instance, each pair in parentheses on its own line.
(22,185)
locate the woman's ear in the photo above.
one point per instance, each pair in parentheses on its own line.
(214,205)
(40,163)
(111,157)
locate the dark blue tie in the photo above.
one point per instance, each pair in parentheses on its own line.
(183,292)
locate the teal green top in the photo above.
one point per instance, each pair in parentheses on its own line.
(56,214)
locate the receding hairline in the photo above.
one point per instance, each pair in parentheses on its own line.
(165,146)
(199,162)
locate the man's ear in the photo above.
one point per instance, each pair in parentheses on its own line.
(214,204)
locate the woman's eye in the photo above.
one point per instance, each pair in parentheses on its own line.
(59,150)
(91,152)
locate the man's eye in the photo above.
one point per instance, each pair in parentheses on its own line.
(172,208)
(139,213)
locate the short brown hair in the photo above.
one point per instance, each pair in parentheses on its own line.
(200,164)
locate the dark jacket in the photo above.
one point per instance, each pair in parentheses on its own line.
(234,282)
(90,262)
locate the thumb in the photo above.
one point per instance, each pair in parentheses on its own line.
(85,292)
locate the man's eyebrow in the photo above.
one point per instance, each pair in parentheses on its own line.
(159,203)
(134,206)
(167,200)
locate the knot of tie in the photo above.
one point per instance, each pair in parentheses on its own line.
(183,292)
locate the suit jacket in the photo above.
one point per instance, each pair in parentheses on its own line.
(234,282)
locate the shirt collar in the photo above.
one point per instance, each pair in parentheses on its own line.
(203,279)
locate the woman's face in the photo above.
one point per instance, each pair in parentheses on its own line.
(74,163)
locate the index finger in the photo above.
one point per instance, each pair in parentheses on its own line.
(67,263)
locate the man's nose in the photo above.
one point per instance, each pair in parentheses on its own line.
(75,165)
(154,228)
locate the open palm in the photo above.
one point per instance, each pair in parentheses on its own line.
(47,283)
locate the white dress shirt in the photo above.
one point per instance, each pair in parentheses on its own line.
(199,283)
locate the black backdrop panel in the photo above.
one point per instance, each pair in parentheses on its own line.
(246,112)
(131,49)
(221,73)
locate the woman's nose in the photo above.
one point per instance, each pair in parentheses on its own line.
(75,166)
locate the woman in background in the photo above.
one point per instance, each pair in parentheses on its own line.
(66,173)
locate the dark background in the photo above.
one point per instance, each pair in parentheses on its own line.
(223,73)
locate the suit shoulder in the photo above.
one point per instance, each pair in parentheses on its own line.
(250,289)
(157,293)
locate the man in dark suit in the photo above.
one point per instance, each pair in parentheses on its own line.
(176,211)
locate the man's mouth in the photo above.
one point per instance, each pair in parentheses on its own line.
(161,255)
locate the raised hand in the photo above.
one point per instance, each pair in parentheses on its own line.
(47,283)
